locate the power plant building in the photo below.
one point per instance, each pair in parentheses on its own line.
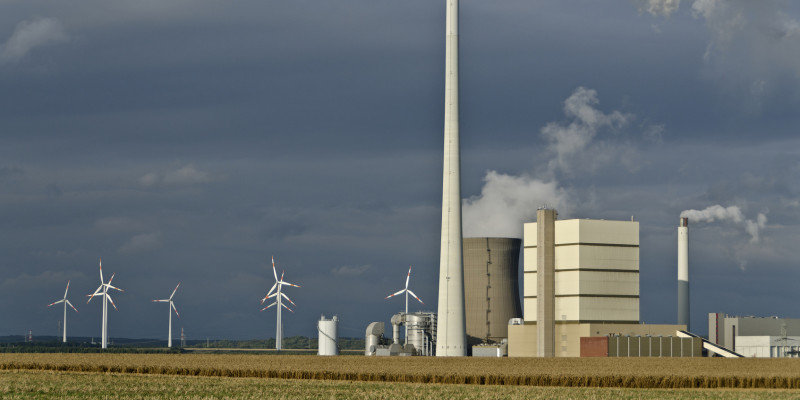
(756,336)
(596,286)
(491,287)
(596,271)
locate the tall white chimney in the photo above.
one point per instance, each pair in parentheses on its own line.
(451,333)
(683,272)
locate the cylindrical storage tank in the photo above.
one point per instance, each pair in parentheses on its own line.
(417,325)
(491,288)
(328,336)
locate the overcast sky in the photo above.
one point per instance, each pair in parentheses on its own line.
(192,140)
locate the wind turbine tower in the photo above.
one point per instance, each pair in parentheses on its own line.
(407,292)
(66,303)
(103,291)
(451,334)
(279,283)
(169,311)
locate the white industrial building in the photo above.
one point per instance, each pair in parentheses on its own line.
(756,336)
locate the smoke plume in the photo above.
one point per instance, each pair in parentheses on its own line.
(506,202)
(733,214)
(569,142)
(714,213)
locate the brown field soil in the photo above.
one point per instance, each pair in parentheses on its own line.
(27,384)
(570,372)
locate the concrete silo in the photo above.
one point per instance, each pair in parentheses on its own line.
(491,289)
(328,342)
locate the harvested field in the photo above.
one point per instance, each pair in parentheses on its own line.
(82,385)
(569,372)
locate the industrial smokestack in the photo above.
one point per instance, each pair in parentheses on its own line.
(683,272)
(451,332)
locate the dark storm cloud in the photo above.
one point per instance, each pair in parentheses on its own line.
(190,141)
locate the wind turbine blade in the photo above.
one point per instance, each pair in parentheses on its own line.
(112,278)
(269,296)
(160,301)
(282,273)
(272,288)
(54,303)
(290,284)
(408,277)
(173,292)
(274,272)
(415,296)
(96,293)
(112,302)
(114,287)
(101,271)
(70,304)
(395,294)
(65,292)
(269,306)
(287,298)
(176,310)
(286,307)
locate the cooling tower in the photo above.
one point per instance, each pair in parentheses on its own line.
(491,289)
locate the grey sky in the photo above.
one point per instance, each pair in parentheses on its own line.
(190,141)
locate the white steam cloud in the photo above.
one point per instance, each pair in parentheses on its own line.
(506,202)
(29,35)
(753,46)
(572,139)
(733,214)
(714,213)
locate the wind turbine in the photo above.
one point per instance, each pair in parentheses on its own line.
(407,292)
(102,290)
(279,283)
(169,311)
(66,302)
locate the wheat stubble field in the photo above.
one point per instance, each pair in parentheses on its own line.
(192,376)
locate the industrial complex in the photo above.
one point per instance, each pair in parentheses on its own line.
(580,285)
(579,295)
(756,336)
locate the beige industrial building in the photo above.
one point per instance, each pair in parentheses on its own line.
(596,271)
(595,291)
